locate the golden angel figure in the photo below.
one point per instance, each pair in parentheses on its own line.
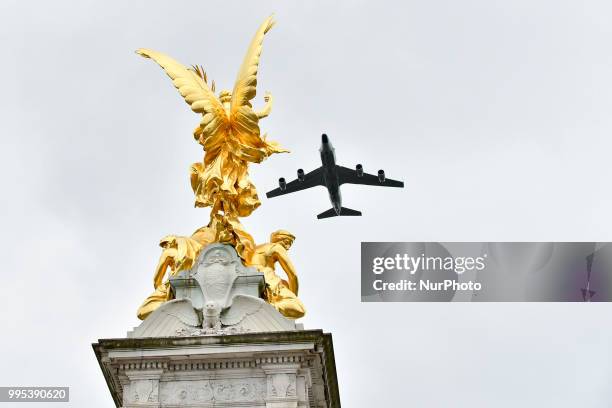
(230,135)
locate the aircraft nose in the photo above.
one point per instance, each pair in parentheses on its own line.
(324,138)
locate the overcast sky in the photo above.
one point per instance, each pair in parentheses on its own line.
(496,114)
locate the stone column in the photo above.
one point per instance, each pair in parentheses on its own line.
(141,388)
(282,385)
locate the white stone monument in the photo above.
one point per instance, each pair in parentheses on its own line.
(219,344)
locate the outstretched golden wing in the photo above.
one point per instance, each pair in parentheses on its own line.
(244,121)
(197,94)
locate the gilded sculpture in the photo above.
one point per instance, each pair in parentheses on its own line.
(282,294)
(231,139)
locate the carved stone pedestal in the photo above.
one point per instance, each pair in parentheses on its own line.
(272,370)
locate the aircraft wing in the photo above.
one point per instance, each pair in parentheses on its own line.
(350,176)
(312,179)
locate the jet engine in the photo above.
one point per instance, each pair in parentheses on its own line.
(381,176)
(300,173)
(282,183)
(359,169)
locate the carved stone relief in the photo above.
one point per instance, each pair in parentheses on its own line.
(225,390)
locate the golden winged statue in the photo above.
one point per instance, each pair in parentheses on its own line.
(230,136)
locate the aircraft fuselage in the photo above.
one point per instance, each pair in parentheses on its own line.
(330,174)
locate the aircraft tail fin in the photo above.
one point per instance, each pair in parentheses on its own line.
(343,212)
(347,211)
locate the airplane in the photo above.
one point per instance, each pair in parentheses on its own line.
(332,176)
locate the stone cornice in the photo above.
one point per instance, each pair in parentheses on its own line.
(306,350)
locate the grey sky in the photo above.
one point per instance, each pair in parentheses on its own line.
(496,114)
